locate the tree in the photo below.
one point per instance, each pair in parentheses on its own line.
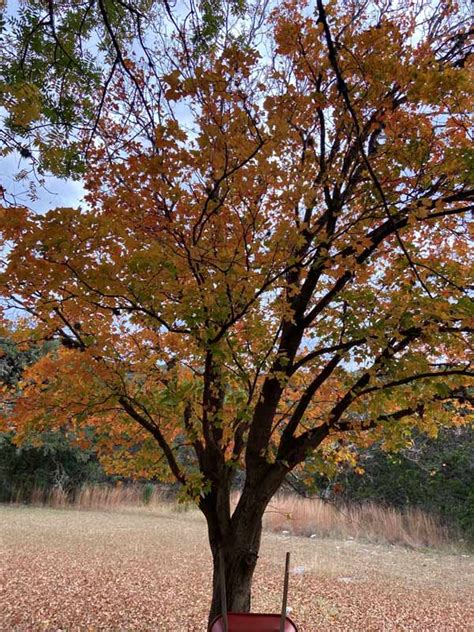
(434,474)
(277,268)
(45,460)
(13,360)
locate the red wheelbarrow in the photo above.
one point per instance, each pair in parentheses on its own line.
(247,622)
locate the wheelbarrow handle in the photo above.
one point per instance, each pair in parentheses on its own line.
(285,593)
(223,590)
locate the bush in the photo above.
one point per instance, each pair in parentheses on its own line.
(434,475)
(147,495)
(46,461)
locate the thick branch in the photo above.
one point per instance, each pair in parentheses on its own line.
(157,434)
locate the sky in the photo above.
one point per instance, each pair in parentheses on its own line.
(56,192)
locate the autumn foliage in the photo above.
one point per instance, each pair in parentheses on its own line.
(276,267)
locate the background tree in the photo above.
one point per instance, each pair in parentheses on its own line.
(59,59)
(275,268)
(434,474)
(45,460)
(13,359)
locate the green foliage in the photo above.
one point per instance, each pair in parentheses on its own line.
(213,19)
(47,71)
(58,59)
(147,494)
(435,475)
(13,359)
(45,461)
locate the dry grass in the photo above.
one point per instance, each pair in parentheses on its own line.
(314,517)
(286,513)
(149,570)
(102,497)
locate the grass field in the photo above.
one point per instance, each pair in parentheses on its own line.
(133,569)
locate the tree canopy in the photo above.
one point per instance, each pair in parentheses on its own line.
(272,266)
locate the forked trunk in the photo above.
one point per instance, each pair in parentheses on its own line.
(235,539)
(239,550)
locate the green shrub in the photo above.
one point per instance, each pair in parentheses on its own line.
(147,495)
(43,462)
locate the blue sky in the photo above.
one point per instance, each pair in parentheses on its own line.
(55,192)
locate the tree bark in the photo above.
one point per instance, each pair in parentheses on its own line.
(237,539)
(239,548)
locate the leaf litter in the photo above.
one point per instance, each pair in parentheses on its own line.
(69,570)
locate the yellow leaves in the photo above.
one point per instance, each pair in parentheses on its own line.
(436,85)
(23,102)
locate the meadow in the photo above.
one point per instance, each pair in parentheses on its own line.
(148,568)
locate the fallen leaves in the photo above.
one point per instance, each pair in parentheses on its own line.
(79,570)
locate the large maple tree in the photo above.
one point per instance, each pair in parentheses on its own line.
(281,272)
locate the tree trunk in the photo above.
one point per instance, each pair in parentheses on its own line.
(239,549)
(238,540)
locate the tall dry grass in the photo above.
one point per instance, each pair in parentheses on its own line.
(101,497)
(367,521)
(290,513)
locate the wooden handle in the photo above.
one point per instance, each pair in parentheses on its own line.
(223,592)
(285,593)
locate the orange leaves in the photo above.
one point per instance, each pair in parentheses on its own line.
(287,35)
(56,389)
(174,83)
(295,34)
(288,215)
(13,221)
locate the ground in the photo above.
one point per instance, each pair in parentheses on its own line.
(150,570)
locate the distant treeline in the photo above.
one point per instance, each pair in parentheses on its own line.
(46,461)
(435,475)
